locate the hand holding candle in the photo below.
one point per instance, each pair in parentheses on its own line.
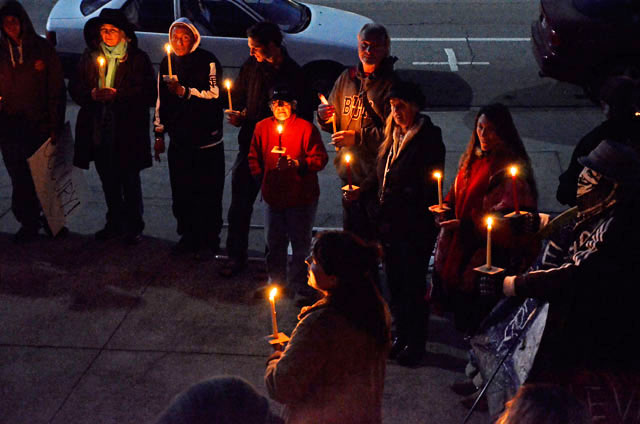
(101,71)
(227,84)
(514,171)
(167,47)
(325,102)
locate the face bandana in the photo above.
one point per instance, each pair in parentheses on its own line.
(595,192)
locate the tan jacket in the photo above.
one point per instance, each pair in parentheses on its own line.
(330,372)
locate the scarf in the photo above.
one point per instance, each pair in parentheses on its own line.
(19,49)
(399,141)
(114,56)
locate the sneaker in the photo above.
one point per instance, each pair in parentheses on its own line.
(25,235)
(397,346)
(184,245)
(108,232)
(463,387)
(232,268)
(410,357)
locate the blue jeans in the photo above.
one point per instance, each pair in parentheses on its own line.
(282,226)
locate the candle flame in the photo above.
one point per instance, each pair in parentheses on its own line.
(280,129)
(513,171)
(272,293)
(437,175)
(101,61)
(167,47)
(489,222)
(323,99)
(637,113)
(227,84)
(347,158)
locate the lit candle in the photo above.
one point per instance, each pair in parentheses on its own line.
(227,84)
(167,47)
(347,158)
(489,224)
(324,101)
(438,175)
(101,63)
(280,128)
(272,300)
(514,172)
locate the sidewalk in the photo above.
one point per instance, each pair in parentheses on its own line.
(107,333)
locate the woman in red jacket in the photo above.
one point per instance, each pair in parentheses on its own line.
(483,186)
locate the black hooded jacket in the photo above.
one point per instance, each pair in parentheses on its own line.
(126,127)
(194,119)
(31,80)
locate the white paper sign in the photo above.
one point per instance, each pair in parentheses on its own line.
(60,186)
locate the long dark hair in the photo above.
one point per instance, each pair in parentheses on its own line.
(512,148)
(355,265)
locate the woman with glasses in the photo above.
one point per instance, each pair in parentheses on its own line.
(115,86)
(332,370)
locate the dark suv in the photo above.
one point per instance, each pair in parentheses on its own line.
(584,41)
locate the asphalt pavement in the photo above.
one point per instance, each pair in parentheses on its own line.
(100,332)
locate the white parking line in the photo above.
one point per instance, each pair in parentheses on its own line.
(464,39)
(451,58)
(448,64)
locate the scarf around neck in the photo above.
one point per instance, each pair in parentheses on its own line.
(114,56)
(18,48)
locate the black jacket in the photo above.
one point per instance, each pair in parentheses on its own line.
(410,187)
(129,112)
(251,91)
(195,118)
(33,93)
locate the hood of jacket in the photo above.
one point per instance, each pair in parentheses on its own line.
(13,8)
(186,23)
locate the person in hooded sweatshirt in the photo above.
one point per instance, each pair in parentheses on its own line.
(189,109)
(32,106)
(112,128)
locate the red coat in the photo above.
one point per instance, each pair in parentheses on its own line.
(488,190)
(292,187)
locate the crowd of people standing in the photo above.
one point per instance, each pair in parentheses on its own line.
(373,116)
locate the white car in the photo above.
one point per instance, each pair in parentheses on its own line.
(321,39)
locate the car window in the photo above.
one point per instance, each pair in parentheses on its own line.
(87,7)
(289,15)
(220,18)
(149,15)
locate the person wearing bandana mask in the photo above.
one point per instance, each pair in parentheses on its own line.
(590,335)
(32,106)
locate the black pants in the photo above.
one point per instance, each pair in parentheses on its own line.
(17,146)
(244,190)
(406,265)
(197,184)
(122,193)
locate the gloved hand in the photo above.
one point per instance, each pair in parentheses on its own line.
(490,285)
(525,223)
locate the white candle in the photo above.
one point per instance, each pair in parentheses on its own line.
(324,101)
(347,158)
(489,224)
(227,84)
(272,300)
(101,63)
(438,176)
(167,47)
